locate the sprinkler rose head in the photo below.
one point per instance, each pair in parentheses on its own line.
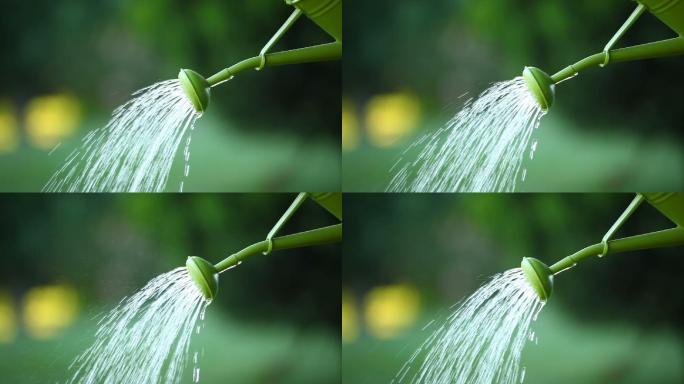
(539,276)
(196,88)
(541,85)
(204,274)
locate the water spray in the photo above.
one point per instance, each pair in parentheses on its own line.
(327,14)
(206,275)
(670,12)
(540,276)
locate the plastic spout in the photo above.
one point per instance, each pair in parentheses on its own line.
(316,53)
(327,14)
(541,86)
(539,276)
(670,204)
(655,50)
(204,274)
(196,88)
(319,236)
(670,12)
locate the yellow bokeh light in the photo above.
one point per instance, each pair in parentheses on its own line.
(350,318)
(8,320)
(391,309)
(49,119)
(350,126)
(9,129)
(49,309)
(391,117)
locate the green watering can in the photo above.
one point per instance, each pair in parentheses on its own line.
(540,276)
(327,14)
(206,275)
(670,12)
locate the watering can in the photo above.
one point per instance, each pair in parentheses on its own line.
(540,276)
(206,275)
(327,14)
(670,12)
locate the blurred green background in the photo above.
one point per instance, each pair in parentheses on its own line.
(408,63)
(68,258)
(409,258)
(67,65)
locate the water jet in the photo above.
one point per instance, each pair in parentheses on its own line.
(327,14)
(541,277)
(671,13)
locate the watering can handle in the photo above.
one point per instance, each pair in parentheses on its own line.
(284,219)
(279,33)
(621,32)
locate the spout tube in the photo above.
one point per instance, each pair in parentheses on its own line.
(325,235)
(665,238)
(658,49)
(321,52)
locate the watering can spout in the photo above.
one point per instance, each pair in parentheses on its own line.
(670,12)
(327,14)
(204,275)
(539,276)
(541,86)
(671,205)
(196,88)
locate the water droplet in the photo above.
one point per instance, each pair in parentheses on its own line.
(524,173)
(187,169)
(522,375)
(196,375)
(181,186)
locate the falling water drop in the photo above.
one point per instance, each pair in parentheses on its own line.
(522,375)
(533,148)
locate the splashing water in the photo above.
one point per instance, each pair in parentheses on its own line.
(482,340)
(135,150)
(480,150)
(146,338)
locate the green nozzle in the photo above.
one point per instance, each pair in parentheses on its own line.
(204,274)
(541,85)
(539,276)
(196,88)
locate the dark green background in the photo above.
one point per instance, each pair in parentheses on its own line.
(276,318)
(617,128)
(618,319)
(273,130)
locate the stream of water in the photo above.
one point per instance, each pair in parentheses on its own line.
(481,341)
(135,150)
(481,149)
(146,337)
